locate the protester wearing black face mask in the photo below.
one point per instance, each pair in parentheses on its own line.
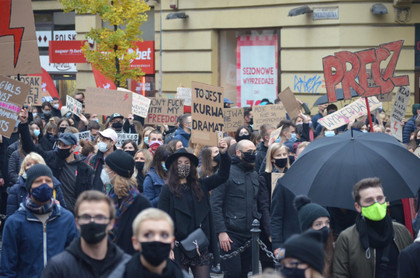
(130,147)
(74,175)
(233,218)
(278,164)
(153,237)
(39,220)
(302,256)
(93,254)
(116,122)
(315,217)
(243,133)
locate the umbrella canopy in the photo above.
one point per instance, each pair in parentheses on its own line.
(329,167)
(338,92)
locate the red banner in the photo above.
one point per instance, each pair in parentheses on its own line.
(145,58)
(66,52)
(47,84)
(102,81)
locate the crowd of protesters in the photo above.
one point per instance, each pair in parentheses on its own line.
(94,208)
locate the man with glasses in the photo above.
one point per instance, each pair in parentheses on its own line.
(370,248)
(234,206)
(93,255)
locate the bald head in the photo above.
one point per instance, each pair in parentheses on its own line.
(244,146)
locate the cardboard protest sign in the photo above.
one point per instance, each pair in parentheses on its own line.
(233,118)
(274,135)
(184,93)
(164,111)
(12,96)
(83,136)
(140,103)
(19,50)
(274,178)
(206,113)
(290,103)
(272,114)
(335,71)
(122,137)
(352,111)
(35,96)
(417,152)
(74,105)
(398,111)
(106,102)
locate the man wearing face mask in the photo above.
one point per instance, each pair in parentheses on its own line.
(370,248)
(46,111)
(37,231)
(153,238)
(55,111)
(93,255)
(106,145)
(248,117)
(183,133)
(234,206)
(74,174)
(116,122)
(288,133)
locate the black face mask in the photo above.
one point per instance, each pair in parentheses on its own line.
(291,159)
(244,137)
(325,233)
(249,157)
(62,129)
(139,165)
(417,141)
(281,162)
(251,122)
(293,272)
(64,153)
(155,252)
(217,158)
(132,153)
(117,126)
(93,232)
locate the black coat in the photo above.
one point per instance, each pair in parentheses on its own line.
(408,261)
(284,218)
(234,203)
(182,216)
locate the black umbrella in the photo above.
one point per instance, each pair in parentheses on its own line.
(328,168)
(340,96)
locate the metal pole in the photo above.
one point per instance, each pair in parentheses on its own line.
(160,51)
(255,231)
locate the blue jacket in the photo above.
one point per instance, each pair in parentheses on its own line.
(17,194)
(152,186)
(25,252)
(409,127)
(182,136)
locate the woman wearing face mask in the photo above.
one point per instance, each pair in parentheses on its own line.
(130,147)
(185,198)
(142,160)
(153,237)
(18,193)
(122,188)
(46,111)
(156,176)
(210,161)
(49,139)
(36,127)
(242,133)
(62,125)
(315,217)
(145,137)
(277,155)
(302,256)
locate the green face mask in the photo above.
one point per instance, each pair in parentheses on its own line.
(375,212)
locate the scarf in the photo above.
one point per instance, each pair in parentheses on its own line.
(376,234)
(39,209)
(121,206)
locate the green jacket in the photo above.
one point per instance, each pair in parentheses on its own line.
(350,260)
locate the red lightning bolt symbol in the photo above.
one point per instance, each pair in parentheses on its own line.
(395,127)
(5,30)
(125,97)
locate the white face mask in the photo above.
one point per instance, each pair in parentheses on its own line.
(105,177)
(102,147)
(56,106)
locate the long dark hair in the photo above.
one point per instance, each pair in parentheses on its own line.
(206,167)
(161,154)
(192,179)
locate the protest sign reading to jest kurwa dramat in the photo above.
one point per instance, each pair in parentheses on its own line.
(233,118)
(164,111)
(335,71)
(12,96)
(268,114)
(398,112)
(206,113)
(346,114)
(35,94)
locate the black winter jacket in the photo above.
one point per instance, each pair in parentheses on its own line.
(234,203)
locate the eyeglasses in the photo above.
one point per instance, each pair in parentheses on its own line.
(86,218)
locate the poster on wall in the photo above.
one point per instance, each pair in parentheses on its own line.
(256,66)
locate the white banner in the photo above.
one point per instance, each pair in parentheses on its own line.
(398,111)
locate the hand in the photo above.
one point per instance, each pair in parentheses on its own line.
(1,182)
(172,255)
(276,252)
(23,115)
(165,127)
(130,119)
(304,117)
(269,238)
(222,146)
(225,241)
(83,119)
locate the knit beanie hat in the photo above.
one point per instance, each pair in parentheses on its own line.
(414,108)
(306,247)
(35,172)
(308,212)
(121,163)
